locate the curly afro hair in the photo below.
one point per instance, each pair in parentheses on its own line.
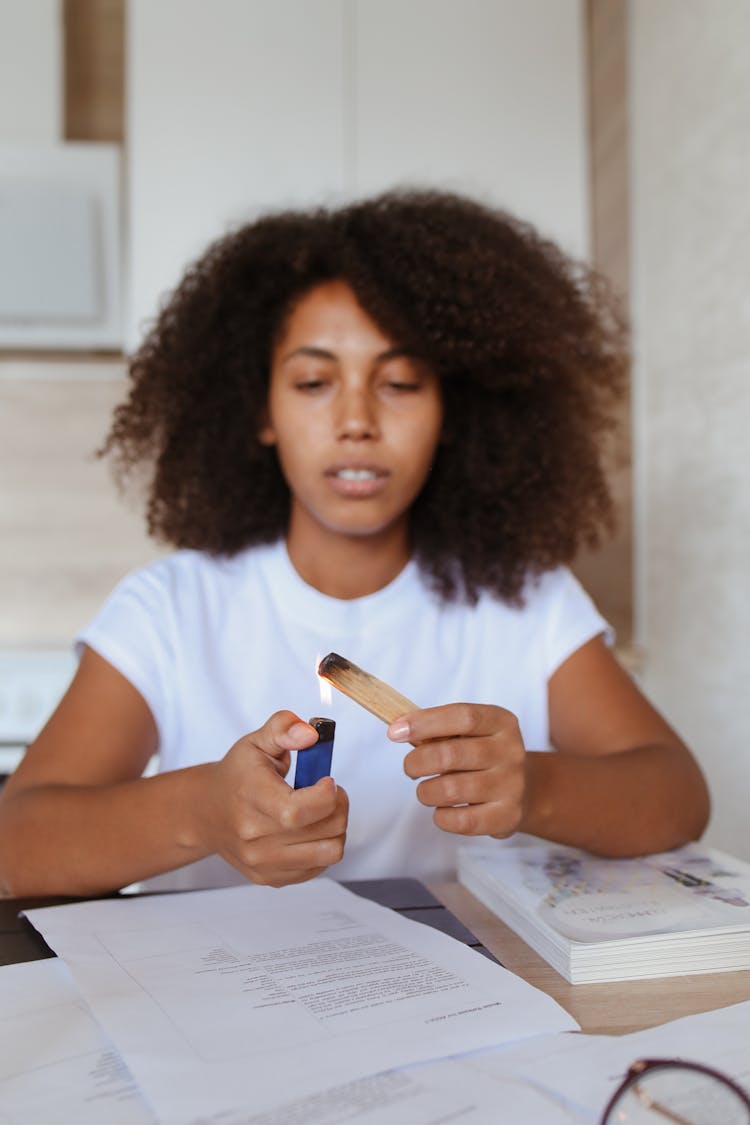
(529,347)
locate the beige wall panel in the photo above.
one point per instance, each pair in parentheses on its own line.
(691,163)
(66,535)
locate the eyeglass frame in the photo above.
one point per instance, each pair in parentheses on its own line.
(641,1067)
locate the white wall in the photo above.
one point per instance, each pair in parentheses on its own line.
(30,70)
(486,96)
(242,105)
(231,106)
(691,284)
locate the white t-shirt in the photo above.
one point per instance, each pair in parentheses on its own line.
(216,645)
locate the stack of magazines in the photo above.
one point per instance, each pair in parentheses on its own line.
(678,912)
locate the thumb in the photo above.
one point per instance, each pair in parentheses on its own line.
(281,733)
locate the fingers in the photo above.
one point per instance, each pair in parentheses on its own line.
(271,796)
(278,857)
(255,820)
(456,789)
(294,863)
(458,737)
(472,760)
(477,820)
(320,810)
(475,804)
(451,720)
(449,756)
(283,732)
(278,736)
(292,811)
(502,785)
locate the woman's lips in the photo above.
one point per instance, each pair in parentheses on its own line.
(357,481)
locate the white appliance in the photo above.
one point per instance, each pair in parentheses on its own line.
(60,246)
(31,685)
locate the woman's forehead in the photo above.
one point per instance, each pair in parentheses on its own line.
(330,312)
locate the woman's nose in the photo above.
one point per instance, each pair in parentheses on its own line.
(356,416)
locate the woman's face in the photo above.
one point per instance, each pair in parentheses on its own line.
(354,418)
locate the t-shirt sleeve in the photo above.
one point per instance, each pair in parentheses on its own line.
(134,632)
(571,618)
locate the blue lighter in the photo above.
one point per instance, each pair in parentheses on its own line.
(315,762)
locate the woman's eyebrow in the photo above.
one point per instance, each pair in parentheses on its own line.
(394,353)
(309,349)
(324,353)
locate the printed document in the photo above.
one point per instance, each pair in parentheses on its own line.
(57,1066)
(55,1063)
(253,996)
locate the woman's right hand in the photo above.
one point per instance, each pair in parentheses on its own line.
(249,815)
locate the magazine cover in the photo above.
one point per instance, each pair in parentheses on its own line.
(588,899)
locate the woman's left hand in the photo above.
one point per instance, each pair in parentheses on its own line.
(473,762)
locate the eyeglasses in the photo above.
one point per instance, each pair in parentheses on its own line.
(684,1093)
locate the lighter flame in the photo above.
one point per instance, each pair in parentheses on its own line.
(325,688)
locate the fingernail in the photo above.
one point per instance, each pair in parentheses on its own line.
(299,730)
(398,731)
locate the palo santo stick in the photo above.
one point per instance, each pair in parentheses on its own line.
(375,696)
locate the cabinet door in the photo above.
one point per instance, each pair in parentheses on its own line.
(232,107)
(485,96)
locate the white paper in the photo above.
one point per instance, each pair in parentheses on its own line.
(434,1093)
(583,1071)
(55,1063)
(57,1066)
(252,996)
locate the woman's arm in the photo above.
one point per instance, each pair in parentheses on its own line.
(622,782)
(77,817)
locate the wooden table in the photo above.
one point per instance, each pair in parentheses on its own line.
(604,1008)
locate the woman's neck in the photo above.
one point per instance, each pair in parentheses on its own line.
(348,567)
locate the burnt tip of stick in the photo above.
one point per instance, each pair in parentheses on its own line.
(333,663)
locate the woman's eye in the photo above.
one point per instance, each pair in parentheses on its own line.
(309,384)
(402,376)
(402,386)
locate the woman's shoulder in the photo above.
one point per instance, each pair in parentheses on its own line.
(541,594)
(189,570)
(555,586)
(171,596)
(555,611)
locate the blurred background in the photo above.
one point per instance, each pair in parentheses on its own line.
(133,132)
